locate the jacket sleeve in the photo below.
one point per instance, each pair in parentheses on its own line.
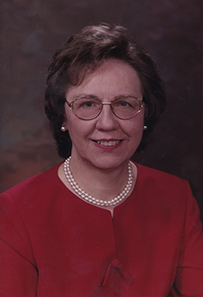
(18,271)
(189,277)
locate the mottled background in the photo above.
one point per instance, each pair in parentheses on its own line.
(30,32)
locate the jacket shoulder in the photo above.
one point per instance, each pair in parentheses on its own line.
(161,181)
(149,172)
(35,183)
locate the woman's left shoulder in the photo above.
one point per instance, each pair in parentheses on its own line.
(161,181)
(161,188)
(156,173)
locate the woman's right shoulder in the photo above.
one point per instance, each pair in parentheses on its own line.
(36,185)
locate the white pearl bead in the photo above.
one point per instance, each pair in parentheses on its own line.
(93,200)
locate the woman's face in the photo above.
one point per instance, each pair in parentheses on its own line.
(105,142)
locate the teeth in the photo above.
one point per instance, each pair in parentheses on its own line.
(108,143)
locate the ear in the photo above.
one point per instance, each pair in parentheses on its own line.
(64,126)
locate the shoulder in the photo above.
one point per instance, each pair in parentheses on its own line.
(159,184)
(166,194)
(150,174)
(34,186)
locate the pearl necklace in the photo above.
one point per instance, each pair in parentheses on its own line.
(93,200)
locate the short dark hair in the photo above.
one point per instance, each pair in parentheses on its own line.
(85,52)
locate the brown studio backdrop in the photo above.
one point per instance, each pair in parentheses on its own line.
(30,32)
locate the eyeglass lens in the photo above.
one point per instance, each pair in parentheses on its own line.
(90,108)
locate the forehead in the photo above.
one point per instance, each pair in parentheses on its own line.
(112,78)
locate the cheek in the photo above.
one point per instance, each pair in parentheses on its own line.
(70,120)
(78,130)
(135,135)
(135,126)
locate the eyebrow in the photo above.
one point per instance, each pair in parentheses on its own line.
(96,97)
(84,96)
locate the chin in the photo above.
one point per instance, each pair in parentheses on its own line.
(109,162)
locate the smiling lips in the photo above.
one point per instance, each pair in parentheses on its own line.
(108,143)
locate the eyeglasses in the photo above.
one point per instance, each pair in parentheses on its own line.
(89,108)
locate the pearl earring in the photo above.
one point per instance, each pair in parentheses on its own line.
(63,129)
(145,127)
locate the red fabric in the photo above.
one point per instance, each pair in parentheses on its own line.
(54,244)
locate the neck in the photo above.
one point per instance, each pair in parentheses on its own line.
(103,184)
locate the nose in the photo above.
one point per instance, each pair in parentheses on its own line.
(107,120)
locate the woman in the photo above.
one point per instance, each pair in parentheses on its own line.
(99,224)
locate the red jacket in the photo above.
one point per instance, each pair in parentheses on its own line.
(56,245)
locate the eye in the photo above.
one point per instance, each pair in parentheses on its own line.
(126,103)
(122,103)
(86,103)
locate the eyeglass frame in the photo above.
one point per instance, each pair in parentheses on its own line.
(141,105)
